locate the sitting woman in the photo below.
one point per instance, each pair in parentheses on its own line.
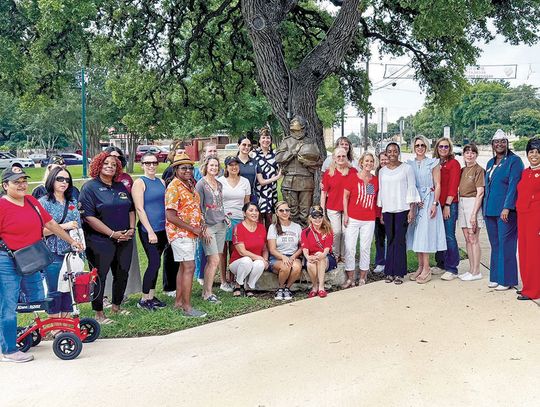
(62,206)
(250,255)
(316,242)
(283,244)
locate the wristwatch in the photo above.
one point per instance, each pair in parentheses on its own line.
(436,203)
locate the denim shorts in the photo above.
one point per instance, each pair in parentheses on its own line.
(332,263)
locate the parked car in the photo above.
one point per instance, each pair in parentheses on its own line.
(37,157)
(8,159)
(69,159)
(159,152)
(458,149)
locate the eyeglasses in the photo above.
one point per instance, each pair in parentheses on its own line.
(419,146)
(443,147)
(62,179)
(284,210)
(153,163)
(186,168)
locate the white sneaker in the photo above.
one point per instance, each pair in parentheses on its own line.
(437,270)
(170,293)
(379,269)
(502,288)
(226,287)
(464,276)
(17,357)
(470,277)
(492,284)
(200,281)
(447,276)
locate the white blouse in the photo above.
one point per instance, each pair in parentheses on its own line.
(397,189)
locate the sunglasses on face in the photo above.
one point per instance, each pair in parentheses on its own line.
(419,146)
(186,168)
(444,147)
(316,216)
(154,163)
(285,210)
(62,179)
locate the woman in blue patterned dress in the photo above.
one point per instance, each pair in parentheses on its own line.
(426,234)
(267,177)
(62,206)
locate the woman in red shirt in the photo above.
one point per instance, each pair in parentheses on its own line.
(447,261)
(333,183)
(21,224)
(250,255)
(360,211)
(316,243)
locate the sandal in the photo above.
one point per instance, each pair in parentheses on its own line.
(121,312)
(105,321)
(237,292)
(249,293)
(398,281)
(348,284)
(389,279)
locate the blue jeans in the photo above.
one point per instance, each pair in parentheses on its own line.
(503,237)
(448,260)
(10,285)
(62,301)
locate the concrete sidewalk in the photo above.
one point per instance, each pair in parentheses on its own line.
(444,344)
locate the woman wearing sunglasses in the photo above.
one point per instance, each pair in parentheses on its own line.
(148,194)
(448,260)
(316,242)
(60,203)
(426,234)
(285,252)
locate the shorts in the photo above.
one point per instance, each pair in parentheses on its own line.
(465,208)
(228,235)
(183,249)
(215,246)
(331,264)
(272,260)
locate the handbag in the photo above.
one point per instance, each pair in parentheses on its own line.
(33,258)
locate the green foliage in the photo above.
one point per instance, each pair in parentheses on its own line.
(521,144)
(526,122)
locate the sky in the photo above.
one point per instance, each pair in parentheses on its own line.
(407,98)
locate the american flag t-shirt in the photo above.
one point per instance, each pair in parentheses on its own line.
(366,195)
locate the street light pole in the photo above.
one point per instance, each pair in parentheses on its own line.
(83,123)
(366,136)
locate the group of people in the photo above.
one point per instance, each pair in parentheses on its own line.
(208,217)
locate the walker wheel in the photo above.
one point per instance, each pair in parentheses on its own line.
(26,343)
(93,328)
(36,338)
(67,346)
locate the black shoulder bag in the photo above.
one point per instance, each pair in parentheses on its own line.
(33,258)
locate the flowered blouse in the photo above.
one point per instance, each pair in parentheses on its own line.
(186,203)
(56,210)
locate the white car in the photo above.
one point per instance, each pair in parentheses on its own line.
(37,157)
(458,149)
(8,159)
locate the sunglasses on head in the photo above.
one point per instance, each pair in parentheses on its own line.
(62,179)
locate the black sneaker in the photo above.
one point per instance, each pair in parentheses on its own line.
(158,303)
(279,294)
(147,305)
(287,294)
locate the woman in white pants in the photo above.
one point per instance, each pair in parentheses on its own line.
(333,182)
(250,255)
(359,206)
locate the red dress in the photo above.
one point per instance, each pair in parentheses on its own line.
(528,211)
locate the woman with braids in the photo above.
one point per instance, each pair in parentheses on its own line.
(285,252)
(109,224)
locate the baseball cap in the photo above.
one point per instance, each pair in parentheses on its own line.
(13,174)
(232,159)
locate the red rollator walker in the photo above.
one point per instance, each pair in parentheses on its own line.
(68,344)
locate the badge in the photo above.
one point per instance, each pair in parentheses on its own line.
(16,170)
(122,195)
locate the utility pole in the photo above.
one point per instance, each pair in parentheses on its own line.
(83,123)
(366,135)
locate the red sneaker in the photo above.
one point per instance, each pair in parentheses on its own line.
(312,294)
(322,293)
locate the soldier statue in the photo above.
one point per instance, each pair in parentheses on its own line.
(299,159)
